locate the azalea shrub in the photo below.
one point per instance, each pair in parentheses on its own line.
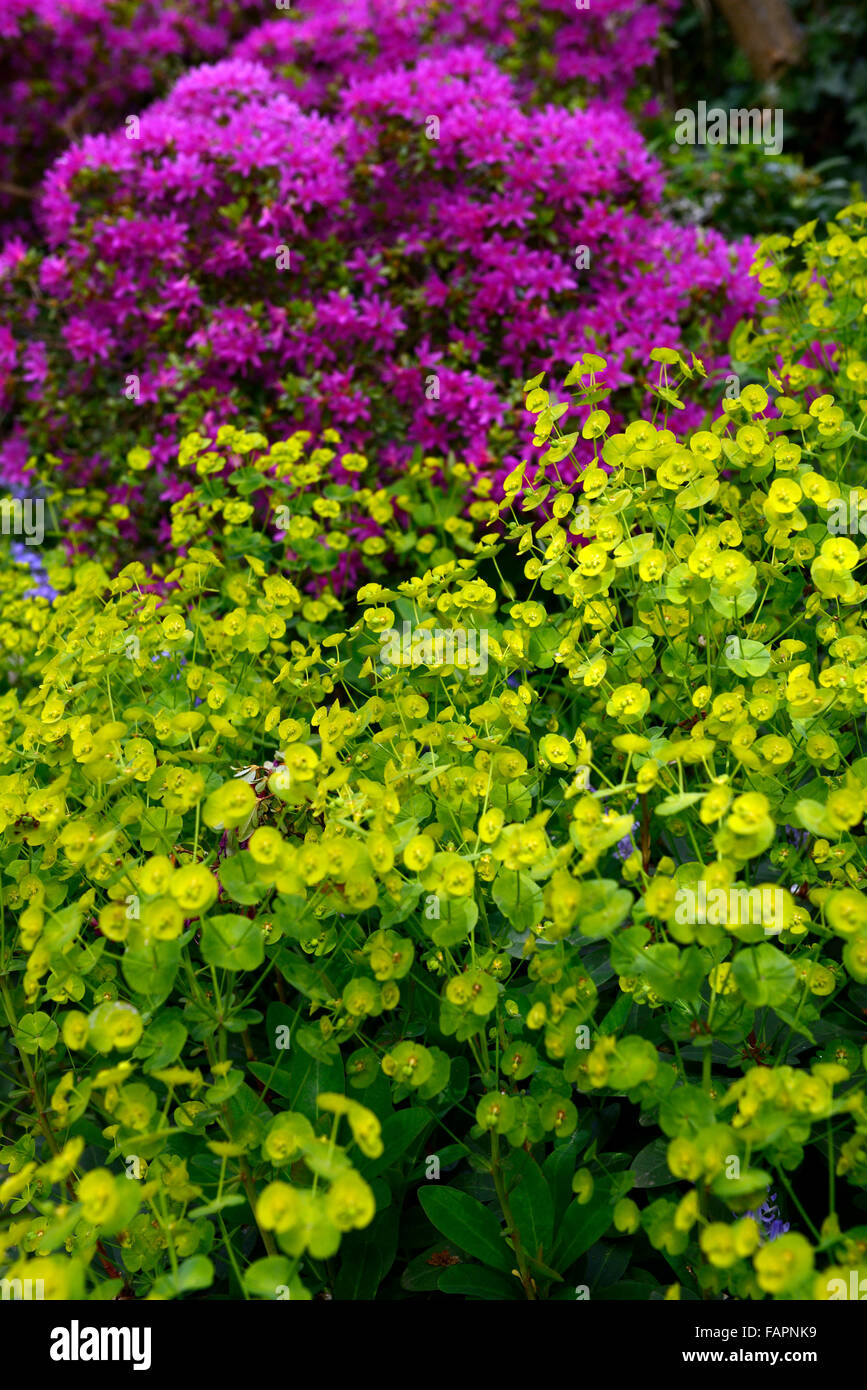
(75,67)
(72,69)
(497,930)
(387,268)
(555,49)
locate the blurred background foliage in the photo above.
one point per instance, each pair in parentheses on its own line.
(823,94)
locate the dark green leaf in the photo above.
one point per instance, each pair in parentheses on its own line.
(579,1230)
(472,1281)
(531,1203)
(471,1226)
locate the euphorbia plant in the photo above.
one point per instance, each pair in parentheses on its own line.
(815,333)
(490,892)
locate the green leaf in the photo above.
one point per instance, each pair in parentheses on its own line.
(224,1087)
(150,969)
(606,1265)
(310,1040)
(518,898)
(62,927)
(559,1168)
(279,1017)
(764,975)
(617,1015)
(399,911)
(308,1078)
(239,875)
(159,830)
(671,973)
(630,551)
(627,950)
(455,922)
(420,1276)
(469,1225)
(812,816)
(366,1257)
(263,1277)
(750,658)
(399,1132)
(606,916)
(36,1032)
(471,1281)
(107,1292)
(163,1041)
(735,607)
(580,1228)
(304,977)
(650,1165)
(671,805)
(796,1018)
(738,1192)
(531,1203)
(542,646)
(195,1273)
(276,1079)
(587,364)
(232,942)
(57,1234)
(686,1110)
(698,493)
(627,1291)
(230,1199)
(561,447)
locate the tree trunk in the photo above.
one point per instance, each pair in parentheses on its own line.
(767,32)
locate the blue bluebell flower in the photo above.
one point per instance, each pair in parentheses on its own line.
(768,1217)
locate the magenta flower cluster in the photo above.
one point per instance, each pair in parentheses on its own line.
(549,45)
(393,264)
(73,66)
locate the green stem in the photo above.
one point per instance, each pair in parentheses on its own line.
(38,1098)
(502,1197)
(249,1188)
(804,1217)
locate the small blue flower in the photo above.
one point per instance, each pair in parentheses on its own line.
(626,846)
(25,555)
(768,1216)
(796,836)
